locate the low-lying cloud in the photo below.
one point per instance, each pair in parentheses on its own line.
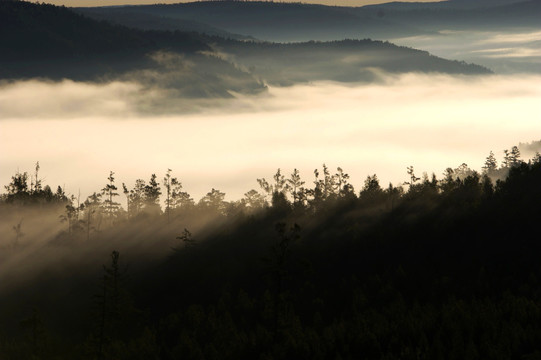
(79,132)
(502,52)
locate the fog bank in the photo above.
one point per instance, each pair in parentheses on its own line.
(79,132)
(503,52)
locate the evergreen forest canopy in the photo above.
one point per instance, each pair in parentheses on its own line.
(436,268)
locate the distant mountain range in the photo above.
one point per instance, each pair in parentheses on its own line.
(277,21)
(53,42)
(494,15)
(271,21)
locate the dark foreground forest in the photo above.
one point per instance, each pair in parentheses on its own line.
(437,268)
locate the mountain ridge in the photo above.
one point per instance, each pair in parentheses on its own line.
(45,41)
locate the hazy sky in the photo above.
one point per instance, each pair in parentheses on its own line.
(139,2)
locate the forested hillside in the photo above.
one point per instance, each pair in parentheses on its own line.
(436,268)
(297,22)
(45,41)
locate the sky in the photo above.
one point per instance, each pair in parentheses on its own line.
(84,3)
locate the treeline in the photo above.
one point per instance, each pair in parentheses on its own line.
(433,269)
(291,193)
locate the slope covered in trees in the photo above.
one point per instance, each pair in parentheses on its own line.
(436,268)
(45,41)
(278,21)
(271,21)
(344,61)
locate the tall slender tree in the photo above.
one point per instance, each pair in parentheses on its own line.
(109,192)
(168,199)
(296,188)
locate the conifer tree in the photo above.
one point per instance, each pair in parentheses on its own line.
(344,188)
(371,192)
(152,194)
(491,164)
(111,207)
(254,201)
(168,199)
(296,188)
(136,198)
(280,185)
(180,199)
(511,158)
(413,178)
(17,189)
(214,200)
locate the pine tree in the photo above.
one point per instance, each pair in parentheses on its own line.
(281,185)
(214,200)
(111,207)
(344,188)
(152,194)
(168,199)
(254,201)
(70,216)
(295,187)
(115,312)
(515,156)
(413,178)
(180,199)
(511,158)
(17,190)
(491,164)
(372,192)
(463,171)
(136,198)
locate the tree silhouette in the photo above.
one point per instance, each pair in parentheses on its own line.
(344,188)
(168,200)
(491,164)
(254,201)
(136,198)
(180,199)
(18,232)
(186,238)
(276,191)
(152,194)
(92,213)
(295,186)
(214,201)
(35,183)
(110,206)
(372,192)
(70,217)
(17,189)
(463,171)
(511,158)
(413,178)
